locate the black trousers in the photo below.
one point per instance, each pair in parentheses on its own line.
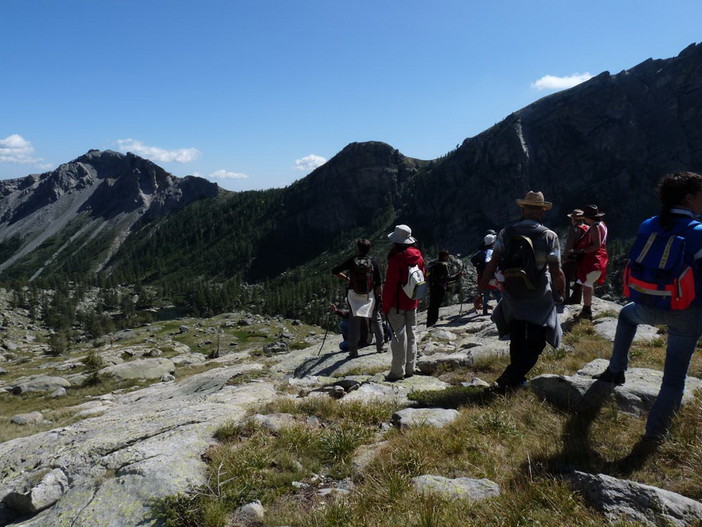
(527,341)
(436,297)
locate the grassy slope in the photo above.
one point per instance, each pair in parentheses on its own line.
(518,441)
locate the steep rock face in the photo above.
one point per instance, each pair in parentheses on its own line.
(606,141)
(352,192)
(110,191)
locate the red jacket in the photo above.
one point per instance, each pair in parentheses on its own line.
(400,260)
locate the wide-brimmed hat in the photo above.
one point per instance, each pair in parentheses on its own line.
(590,211)
(489,239)
(534,199)
(577,213)
(402,234)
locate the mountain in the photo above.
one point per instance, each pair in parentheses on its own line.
(85,208)
(606,141)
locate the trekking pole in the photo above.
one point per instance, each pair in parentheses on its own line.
(392,330)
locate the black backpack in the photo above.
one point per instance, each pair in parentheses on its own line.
(361,275)
(518,262)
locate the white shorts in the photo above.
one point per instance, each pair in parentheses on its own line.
(591,278)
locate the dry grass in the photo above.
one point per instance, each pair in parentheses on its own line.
(520,442)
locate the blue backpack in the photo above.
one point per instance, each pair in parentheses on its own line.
(659,273)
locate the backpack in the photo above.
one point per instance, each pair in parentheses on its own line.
(659,273)
(518,262)
(361,275)
(433,275)
(478,260)
(415,287)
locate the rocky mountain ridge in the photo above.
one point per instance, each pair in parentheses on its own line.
(98,197)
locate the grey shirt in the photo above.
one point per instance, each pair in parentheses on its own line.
(538,307)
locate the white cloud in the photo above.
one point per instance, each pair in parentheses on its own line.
(225,174)
(309,162)
(154,153)
(551,82)
(16,149)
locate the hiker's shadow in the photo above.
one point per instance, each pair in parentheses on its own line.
(308,366)
(577,452)
(461,320)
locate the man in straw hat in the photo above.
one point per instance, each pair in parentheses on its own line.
(401,310)
(527,310)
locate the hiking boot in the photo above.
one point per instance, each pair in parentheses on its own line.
(585,314)
(387,378)
(353,354)
(576,295)
(612,377)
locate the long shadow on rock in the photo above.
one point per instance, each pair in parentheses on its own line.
(309,365)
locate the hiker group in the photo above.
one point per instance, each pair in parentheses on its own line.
(523,268)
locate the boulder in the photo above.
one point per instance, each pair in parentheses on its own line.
(414,417)
(38,383)
(458,488)
(32,418)
(635,396)
(140,369)
(624,500)
(606,327)
(52,486)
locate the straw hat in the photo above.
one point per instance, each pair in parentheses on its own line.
(534,199)
(577,213)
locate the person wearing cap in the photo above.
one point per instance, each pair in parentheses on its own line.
(576,234)
(480,260)
(592,268)
(439,277)
(530,318)
(399,309)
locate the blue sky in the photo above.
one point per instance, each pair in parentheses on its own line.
(254,94)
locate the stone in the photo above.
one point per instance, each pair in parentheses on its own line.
(52,486)
(414,417)
(461,488)
(625,500)
(250,514)
(39,383)
(276,347)
(606,328)
(32,418)
(272,422)
(58,392)
(634,397)
(140,369)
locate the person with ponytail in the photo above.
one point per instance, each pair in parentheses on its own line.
(680,195)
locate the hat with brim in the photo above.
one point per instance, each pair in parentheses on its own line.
(577,213)
(534,199)
(402,234)
(590,211)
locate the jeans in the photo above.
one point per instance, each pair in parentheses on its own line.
(403,343)
(684,328)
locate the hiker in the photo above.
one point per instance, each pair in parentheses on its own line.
(574,241)
(479,261)
(365,337)
(400,309)
(529,256)
(592,267)
(680,195)
(439,278)
(363,294)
